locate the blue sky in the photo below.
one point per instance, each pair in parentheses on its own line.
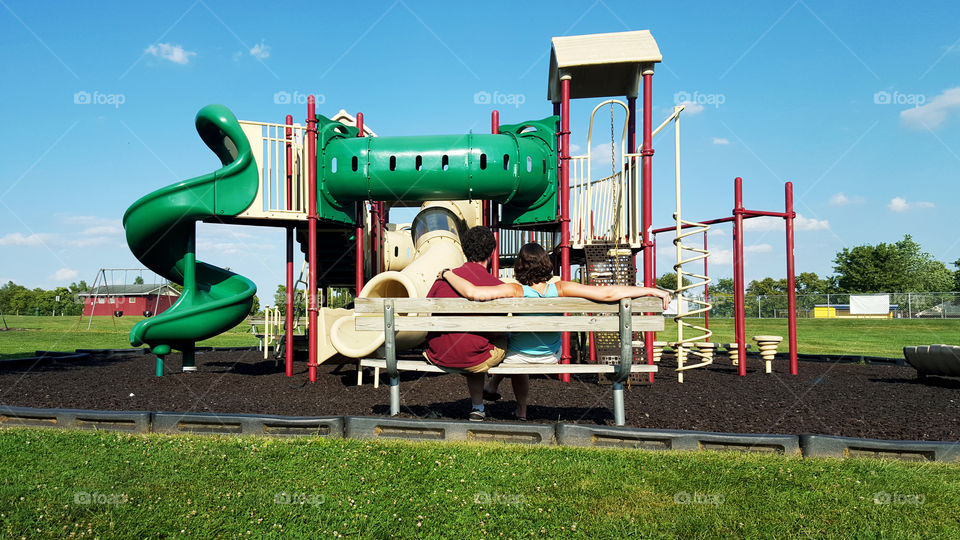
(858,104)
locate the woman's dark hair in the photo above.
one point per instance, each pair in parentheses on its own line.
(533,265)
(478,244)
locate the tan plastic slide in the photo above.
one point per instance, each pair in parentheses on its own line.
(435,237)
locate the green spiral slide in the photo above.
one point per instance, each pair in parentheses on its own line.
(161,233)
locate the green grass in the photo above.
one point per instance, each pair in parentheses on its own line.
(871,337)
(30,334)
(97,484)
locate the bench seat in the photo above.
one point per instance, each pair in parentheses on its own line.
(509,369)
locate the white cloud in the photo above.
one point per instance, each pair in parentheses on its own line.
(77,232)
(803,223)
(899,204)
(32,240)
(237,56)
(934,113)
(724,257)
(839,199)
(65,274)
(174,53)
(758,248)
(721,140)
(260,50)
(800,223)
(574,147)
(691,108)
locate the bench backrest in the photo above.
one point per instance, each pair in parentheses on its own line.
(459,314)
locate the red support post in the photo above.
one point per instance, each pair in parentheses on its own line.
(565,205)
(289,310)
(631,148)
(646,196)
(374,225)
(791,279)
(738,286)
(312,219)
(494,210)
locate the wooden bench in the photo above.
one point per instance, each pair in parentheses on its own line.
(392,315)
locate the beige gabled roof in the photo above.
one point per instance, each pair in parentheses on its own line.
(601,65)
(348,119)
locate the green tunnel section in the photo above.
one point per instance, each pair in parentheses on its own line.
(161,232)
(517,168)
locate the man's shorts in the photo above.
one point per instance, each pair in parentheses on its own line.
(496,356)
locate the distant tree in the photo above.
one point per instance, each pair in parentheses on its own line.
(722,286)
(280,298)
(79,287)
(7,292)
(255,308)
(901,266)
(669,281)
(956,275)
(138,280)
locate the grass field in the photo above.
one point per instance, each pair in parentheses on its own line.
(33,334)
(109,485)
(873,337)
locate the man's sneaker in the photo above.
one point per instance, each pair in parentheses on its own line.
(477,416)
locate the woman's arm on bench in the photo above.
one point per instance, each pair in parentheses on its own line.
(478,292)
(610,293)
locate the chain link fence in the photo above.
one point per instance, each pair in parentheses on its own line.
(906,305)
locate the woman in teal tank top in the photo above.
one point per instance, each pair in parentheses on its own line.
(534,272)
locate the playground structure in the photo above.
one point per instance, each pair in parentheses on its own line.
(331,183)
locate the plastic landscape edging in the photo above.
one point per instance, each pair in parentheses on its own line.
(413,429)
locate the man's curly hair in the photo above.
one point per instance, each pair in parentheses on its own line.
(478,244)
(533,265)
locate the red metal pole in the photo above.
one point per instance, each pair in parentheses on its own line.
(289,311)
(646,196)
(738,297)
(706,288)
(791,280)
(374,223)
(565,204)
(312,219)
(494,210)
(631,147)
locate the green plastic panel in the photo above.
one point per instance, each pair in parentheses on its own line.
(516,168)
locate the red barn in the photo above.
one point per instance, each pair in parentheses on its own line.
(132,300)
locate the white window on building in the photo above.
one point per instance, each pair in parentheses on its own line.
(110,300)
(101,300)
(133,299)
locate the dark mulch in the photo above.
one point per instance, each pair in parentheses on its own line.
(885,402)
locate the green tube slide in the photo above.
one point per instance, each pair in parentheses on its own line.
(517,168)
(161,232)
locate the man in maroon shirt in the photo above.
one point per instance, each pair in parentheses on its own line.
(474,354)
